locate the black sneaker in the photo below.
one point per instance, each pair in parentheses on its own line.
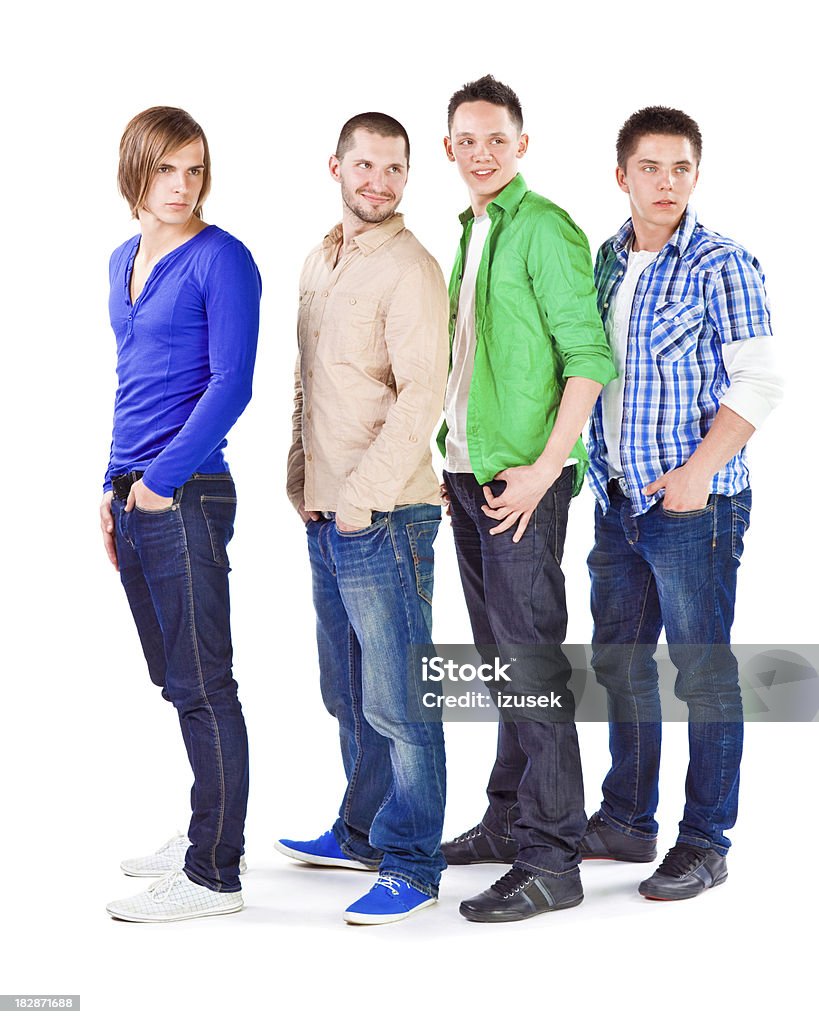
(602,842)
(477,846)
(520,894)
(686,871)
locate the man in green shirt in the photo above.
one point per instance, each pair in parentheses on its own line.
(529,358)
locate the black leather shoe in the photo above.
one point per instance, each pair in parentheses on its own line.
(602,842)
(520,894)
(479,847)
(686,871)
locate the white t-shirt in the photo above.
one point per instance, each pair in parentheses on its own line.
(463,354)
(617,324)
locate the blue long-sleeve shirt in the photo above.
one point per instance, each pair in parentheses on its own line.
(185,355)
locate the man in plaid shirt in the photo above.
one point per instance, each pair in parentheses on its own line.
(687,318)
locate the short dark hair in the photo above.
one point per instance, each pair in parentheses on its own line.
(490,90)
(147,140)
(372,121)
(657,121)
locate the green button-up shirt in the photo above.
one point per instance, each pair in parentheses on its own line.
(536,323)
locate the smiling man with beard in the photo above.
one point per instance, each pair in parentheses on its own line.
(370,381)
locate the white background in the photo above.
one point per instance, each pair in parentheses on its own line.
(93,768)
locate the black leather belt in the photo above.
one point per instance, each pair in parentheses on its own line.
(616,489)
(121,485)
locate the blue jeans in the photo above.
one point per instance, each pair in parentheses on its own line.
(677,570)
(174,567)
(516,598)
(372,590)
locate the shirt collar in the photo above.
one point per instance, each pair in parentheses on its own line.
(680,240)
(509,199)
(367,241)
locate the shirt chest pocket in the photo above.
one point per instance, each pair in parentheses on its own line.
(675,329)
(352,322)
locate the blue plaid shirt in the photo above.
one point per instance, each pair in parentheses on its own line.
(703,291)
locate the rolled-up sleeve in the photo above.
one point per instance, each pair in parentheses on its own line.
(736,302)
(559,264)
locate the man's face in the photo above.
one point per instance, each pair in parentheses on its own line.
(176,184)
(372,173)
(659,178)
(486,146)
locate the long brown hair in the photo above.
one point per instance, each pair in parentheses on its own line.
(147,139)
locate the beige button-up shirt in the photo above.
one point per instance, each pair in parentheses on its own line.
(370,375)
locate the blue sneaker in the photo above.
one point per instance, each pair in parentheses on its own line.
(323,851)
(390,899)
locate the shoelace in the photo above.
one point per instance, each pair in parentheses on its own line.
(162,887)
(471,833)
(178,838)
(680,859)
(389,883)
(512,882)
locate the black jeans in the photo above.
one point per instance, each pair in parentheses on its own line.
(515,594)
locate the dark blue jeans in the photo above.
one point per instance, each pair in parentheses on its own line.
(677,570)
(174,567)
(516,597)
(372,590)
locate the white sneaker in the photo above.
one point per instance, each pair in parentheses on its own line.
(170,857)
(175,898)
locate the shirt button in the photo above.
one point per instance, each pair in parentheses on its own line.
(309,373)
(315,334)
(309,457)
(605,305)
(308,414)
(352,302)
(324,294)
(413,438)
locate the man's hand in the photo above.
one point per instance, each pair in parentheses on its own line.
(107,527)
(307,516)
(445,501)
(343,527)
(525,486)
(146,499)
(685,489)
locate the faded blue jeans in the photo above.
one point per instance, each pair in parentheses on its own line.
(678,570)
(372,591)
(174,567)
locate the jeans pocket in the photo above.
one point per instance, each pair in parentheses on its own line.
(692,514)
(376,524)
(219,513)
(155,511)
(421,537)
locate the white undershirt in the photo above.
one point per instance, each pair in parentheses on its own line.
(463,354)
(617,324)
